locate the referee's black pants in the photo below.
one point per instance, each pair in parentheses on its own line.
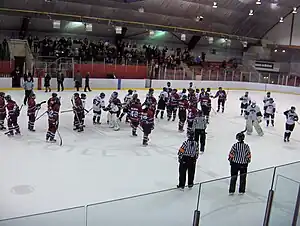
(188,164)
(27,95)
(235,169)
(200,137)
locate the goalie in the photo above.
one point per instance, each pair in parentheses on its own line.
(253,117)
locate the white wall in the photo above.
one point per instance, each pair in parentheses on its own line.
(280,34)
(112,84)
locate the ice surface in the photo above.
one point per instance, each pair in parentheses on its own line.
(101,164)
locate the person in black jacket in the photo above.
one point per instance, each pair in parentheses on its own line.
(239,158)
(87,82)
(47,80)
(60,81)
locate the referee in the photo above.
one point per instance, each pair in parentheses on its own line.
(239,158)
(187,157)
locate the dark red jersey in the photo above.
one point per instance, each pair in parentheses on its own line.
(53,114)
(183,105)
(12,108)
(173,100)
(135,111)
(31,106)
(205,100)
(150,102)
(193,99)
(192,112)
(78,105)
(147,118)
(2,105)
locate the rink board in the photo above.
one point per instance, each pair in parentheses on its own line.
(142,84)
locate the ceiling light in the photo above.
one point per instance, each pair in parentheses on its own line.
(141,10)
(251,12)
(258,2)
(283,50)
(215,5)
(275,50)
(281,20)
(294,10)
(199,18)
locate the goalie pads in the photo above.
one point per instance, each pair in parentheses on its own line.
(258,128)
(249,126)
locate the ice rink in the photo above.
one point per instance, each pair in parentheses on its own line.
(101,164)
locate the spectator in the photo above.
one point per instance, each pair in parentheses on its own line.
(30,41)
(36,44)
(78,80)
(47,81)
(87,82)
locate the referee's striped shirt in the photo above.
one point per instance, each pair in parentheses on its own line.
(189,148)
(240,153)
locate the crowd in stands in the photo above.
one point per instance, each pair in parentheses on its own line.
(4,50)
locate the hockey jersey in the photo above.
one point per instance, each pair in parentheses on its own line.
(151,102)
(270,108)
(31,107)
(12,108)
(193,100)
(114,106)
(127,100)
(221,94)
(183,105)
(266,100)
(252,112)
(192,112)
(205,100)
(98,104)
(135,111)
(147,118)
(291,117)
(2,106)
(245,100)
(163,96)
(53,114)
(78,105)
(173,100)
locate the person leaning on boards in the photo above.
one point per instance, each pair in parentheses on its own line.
(239,158)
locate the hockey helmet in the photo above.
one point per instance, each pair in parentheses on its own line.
(191,135)
(191,83)
(202,90)
(240,136)
(165,89)
(83,96)
(135,96)
(220,88)
(115,94)
(184,97)
(102,95)
(2,94)
(151,91)
(76,94)
(208,90)
(271,100)
(197,90)
(184,90)
(7,97)
(130,91)
(246,93)
(168,84)
(293,108)
(54,95)
(174,90)
(268,94)
(253,102)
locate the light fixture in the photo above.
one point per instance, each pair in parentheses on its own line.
(56,24)
(215,5)
(258,2)
(151,33)
(88,27)
(141,10)
(283,50)
(275,50)
(199,18)
(281,20)
(118,30)
(251,12)
(183,37)
(294,10)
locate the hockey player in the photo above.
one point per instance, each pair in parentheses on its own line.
(147,123)
(13,114)
(183,106)
(53,117)
(126,105)
(291,118)
(2,111)
(135,113)
(83,99)
(113,96)
(172,105)
(163,98)
(208,91)
(222,96)
(270,112)
(253,118)
(183,93)
(150,101)
(199,127)
(169,89)
(192,98)
(245,102)
(114,108)
(192,112)
(78,113)
(205,103)
(31,111)
(98,105)
(265,101)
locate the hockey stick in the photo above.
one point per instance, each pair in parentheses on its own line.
(60,138)
(41,115)
(67,111)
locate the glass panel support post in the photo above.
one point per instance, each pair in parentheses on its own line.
(297,208)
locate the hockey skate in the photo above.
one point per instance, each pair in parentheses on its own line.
(134,133)
(2,128)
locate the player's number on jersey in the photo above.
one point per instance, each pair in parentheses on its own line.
(95,102)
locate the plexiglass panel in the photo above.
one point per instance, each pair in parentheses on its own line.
(218,208)
(169,208)
(284,201)
(74,217)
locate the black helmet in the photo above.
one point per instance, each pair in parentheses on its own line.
(197,90)
(168,84)
(83,96)
(240,137)
(76,94)
(2,94)
(184,90)
(54,94)
(151,90)
(165,89)
(7,97)
(102,95)
(130,91)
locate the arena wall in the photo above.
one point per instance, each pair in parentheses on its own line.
(138,84)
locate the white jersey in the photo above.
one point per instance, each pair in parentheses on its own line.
(181,94)
(266,100)
(245,100)
(163,95)
(270,108)
(98,103)
(128,98)
(291,117)
(113,108)
(198,96)
(253,112)
(83,102)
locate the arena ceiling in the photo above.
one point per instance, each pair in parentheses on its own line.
(230,19)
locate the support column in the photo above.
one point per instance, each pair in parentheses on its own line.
(292,29)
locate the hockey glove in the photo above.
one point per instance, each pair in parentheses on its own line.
(259,120)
